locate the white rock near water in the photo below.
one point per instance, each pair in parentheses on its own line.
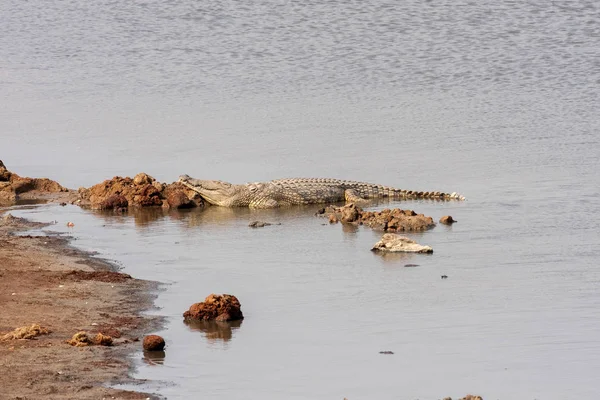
(390,242)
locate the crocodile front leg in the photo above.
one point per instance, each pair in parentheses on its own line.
(352,196)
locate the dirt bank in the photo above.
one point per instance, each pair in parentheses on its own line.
(44,281)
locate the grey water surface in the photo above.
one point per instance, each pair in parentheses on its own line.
(495,100)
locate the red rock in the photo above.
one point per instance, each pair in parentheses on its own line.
(153,343)
(215,307)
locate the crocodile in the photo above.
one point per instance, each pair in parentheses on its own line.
(299,191)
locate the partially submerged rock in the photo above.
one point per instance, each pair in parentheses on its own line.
(154,343)
(142,191)
(393,243)
(260,224)
(215,307)
(388,220)
(467,397)
(447,220)
(25,332)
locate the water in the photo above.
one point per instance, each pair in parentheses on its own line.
(496,101)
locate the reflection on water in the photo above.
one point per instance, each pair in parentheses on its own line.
(215,330)
(154,357)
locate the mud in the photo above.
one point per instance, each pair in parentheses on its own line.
(49,291)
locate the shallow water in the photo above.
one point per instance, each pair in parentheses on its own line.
(496,101)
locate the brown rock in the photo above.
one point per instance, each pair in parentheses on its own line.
(447,220)
(102,340)
(350,213)
(138,192)
(395,220)
(12,186)
(80,339)
(177,198)
(25,332)
(215,307)
(143,179)
(154,343)
(114,201)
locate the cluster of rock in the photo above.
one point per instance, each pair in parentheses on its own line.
(394,220)
(467,397)
(141,191)
(14,187)
(215,307)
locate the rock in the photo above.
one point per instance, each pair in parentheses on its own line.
(153,343)
(447,220)
(12,186)
(394,220)
(444,276)
(350,213)
(177,197)
(5,174)
(259,224)
(25,332)
(141,191)
(386,352)
(215,307)
(467,397)
(143,179)
(395,243)
(80,339)
(114,201)
(102,340)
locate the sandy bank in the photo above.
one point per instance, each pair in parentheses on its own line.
(45,281)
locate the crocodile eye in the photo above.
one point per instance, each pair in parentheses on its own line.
(253,188)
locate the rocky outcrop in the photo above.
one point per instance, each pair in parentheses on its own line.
(14,187)
(467,397)
(141,191)
(215,307)
(393,243)
(388,220)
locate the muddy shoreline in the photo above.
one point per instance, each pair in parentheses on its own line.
(46,281)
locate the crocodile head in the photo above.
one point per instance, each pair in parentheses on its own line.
(215,192)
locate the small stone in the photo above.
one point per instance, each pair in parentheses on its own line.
(102,340)
(258,224)
(386,352)
(70,224)
(154,343)
(444,276)
(447,220)
(143,179)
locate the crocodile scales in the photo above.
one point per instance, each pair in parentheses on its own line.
(299,191)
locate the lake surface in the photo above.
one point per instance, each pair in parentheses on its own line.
(498,101)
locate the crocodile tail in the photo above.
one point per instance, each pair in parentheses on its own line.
(414,194)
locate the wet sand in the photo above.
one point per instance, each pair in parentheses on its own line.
(45,281)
